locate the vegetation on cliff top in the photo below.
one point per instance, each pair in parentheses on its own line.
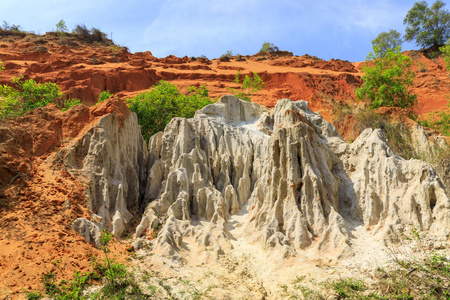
(163,102)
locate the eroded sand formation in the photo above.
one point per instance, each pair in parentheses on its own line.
(301,185)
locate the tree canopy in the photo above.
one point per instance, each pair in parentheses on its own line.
(428,26)
(387,40)
(387,80)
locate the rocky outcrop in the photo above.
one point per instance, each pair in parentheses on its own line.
(300,182)
(111,158)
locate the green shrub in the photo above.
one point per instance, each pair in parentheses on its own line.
(61,28)
(34,295)
(250,85)
(163,102)
(386,80)
(13,27)
(104,96)
(70,103)
(227,56)
(446,54)
(93,35)
(26,95)
(438,120)
(268,47)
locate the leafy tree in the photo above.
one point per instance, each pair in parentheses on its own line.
(428,26)
(268,47)
(387,40)
(163,102)
(387,80)
(61,28)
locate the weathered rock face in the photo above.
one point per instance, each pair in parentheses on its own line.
(299,181)
(111,158)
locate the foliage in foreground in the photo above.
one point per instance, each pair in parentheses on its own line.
(26,95)
(387,80)
(163,102)
(120,283)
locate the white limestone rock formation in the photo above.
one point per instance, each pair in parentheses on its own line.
(391,192)
(111,158)
(299,180)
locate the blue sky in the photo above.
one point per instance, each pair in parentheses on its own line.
(324,28)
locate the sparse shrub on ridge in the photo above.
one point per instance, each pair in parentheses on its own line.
(61,28)
(92,35)
(268,47)
(163,102)
(250,85)
(14,28)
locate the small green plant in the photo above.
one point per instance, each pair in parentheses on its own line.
(26,95)
(105,95)
(227,56)
(348,287)
(438,120)
(61,28)
(70,103)
(34,295)
(250,85)
(163,102)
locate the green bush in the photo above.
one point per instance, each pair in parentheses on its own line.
(61,28)
(163,102)
(268,47)
(438,120)
(26,95)
(386,80)
(446,54)
(91,35)
(104,96)
(13,27)
(250,85)
(70,103)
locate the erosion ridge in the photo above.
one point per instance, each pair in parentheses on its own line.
(84,71)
